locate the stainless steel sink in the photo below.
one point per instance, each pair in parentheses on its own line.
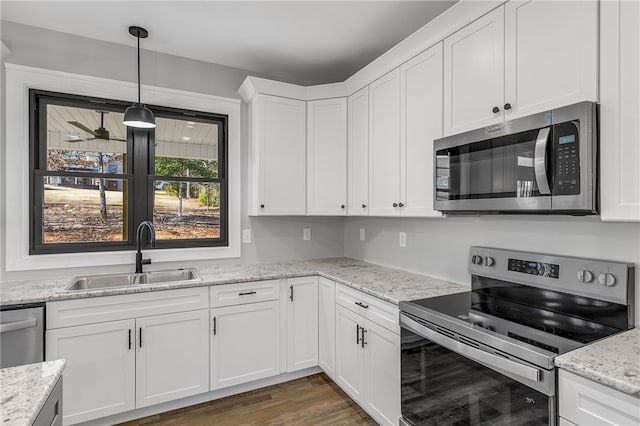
(99,282)
(169,276)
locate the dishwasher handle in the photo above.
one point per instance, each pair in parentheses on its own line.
(18,325)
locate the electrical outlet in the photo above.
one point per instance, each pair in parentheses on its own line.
(306,234)
(361,234)
(403,239)
(246,236)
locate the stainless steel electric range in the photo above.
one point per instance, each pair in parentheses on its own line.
(485,357)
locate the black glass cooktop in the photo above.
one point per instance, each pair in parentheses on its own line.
(537,316)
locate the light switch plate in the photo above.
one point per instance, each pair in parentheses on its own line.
(306,234)
(362,234)
(246,236)
(402,239)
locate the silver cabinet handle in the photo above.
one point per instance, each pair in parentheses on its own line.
(18,325)
(494,361)
(540,161)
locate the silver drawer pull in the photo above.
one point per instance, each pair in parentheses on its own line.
(18,325)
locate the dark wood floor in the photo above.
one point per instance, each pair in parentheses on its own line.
(313,400)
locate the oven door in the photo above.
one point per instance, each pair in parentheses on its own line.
(447,382)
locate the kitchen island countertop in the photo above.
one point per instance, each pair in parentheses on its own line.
(25,389)
(613,362)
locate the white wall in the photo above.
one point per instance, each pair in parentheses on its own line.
(274,238)
(440,247)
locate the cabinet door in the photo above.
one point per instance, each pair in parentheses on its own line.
(99,379)
(245,343)
(172,357)
(349,354)
(327,157)
(384,146)
(474,74)
(358,153)
(281,133)
(421,112)
(620,110)
(327,326)
(302,323)
(547,65)
(382,373)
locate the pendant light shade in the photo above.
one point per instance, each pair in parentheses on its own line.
(138,115)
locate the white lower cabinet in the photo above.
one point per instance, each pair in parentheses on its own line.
(172,357)
(586,403)
(349,354)
(99,379)
(327,326)
(368,365)
(245,343)
(117,362)
(382,373)
(302,323)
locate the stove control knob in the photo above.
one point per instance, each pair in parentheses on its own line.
(489,261)
(607,279)
(476,260)
(585,276)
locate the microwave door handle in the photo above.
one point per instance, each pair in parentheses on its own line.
(540,161)
(493,361)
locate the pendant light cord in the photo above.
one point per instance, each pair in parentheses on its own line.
(138,67)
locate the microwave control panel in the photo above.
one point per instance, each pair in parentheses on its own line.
(566,146)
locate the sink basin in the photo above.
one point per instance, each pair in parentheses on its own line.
(169,276)
(99,282)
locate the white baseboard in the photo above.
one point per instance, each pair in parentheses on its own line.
(199,399)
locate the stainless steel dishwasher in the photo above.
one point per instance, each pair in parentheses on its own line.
(21,335)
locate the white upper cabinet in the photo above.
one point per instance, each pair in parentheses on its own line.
(474,74)
(550,55)
(620,110)
(421,112)
(327,157)
(358,153)
(278,156)
(384,145)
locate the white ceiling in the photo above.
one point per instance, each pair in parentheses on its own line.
(307,42)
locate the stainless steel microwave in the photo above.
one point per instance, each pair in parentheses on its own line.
(543,163)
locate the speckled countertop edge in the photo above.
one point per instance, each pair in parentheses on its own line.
(613,362)
(25,390)
(388,284)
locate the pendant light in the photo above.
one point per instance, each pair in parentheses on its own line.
(138,115)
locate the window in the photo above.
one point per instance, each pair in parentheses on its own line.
(93,180)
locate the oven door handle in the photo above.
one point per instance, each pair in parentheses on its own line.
(494,361)
(540,161)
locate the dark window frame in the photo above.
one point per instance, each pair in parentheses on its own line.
(140,168)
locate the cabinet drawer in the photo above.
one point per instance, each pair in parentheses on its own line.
(585,402)
(93,310)
(370,307)
(237,294)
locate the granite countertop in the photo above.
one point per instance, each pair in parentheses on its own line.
(392,285)
(25,389)
(614,362)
